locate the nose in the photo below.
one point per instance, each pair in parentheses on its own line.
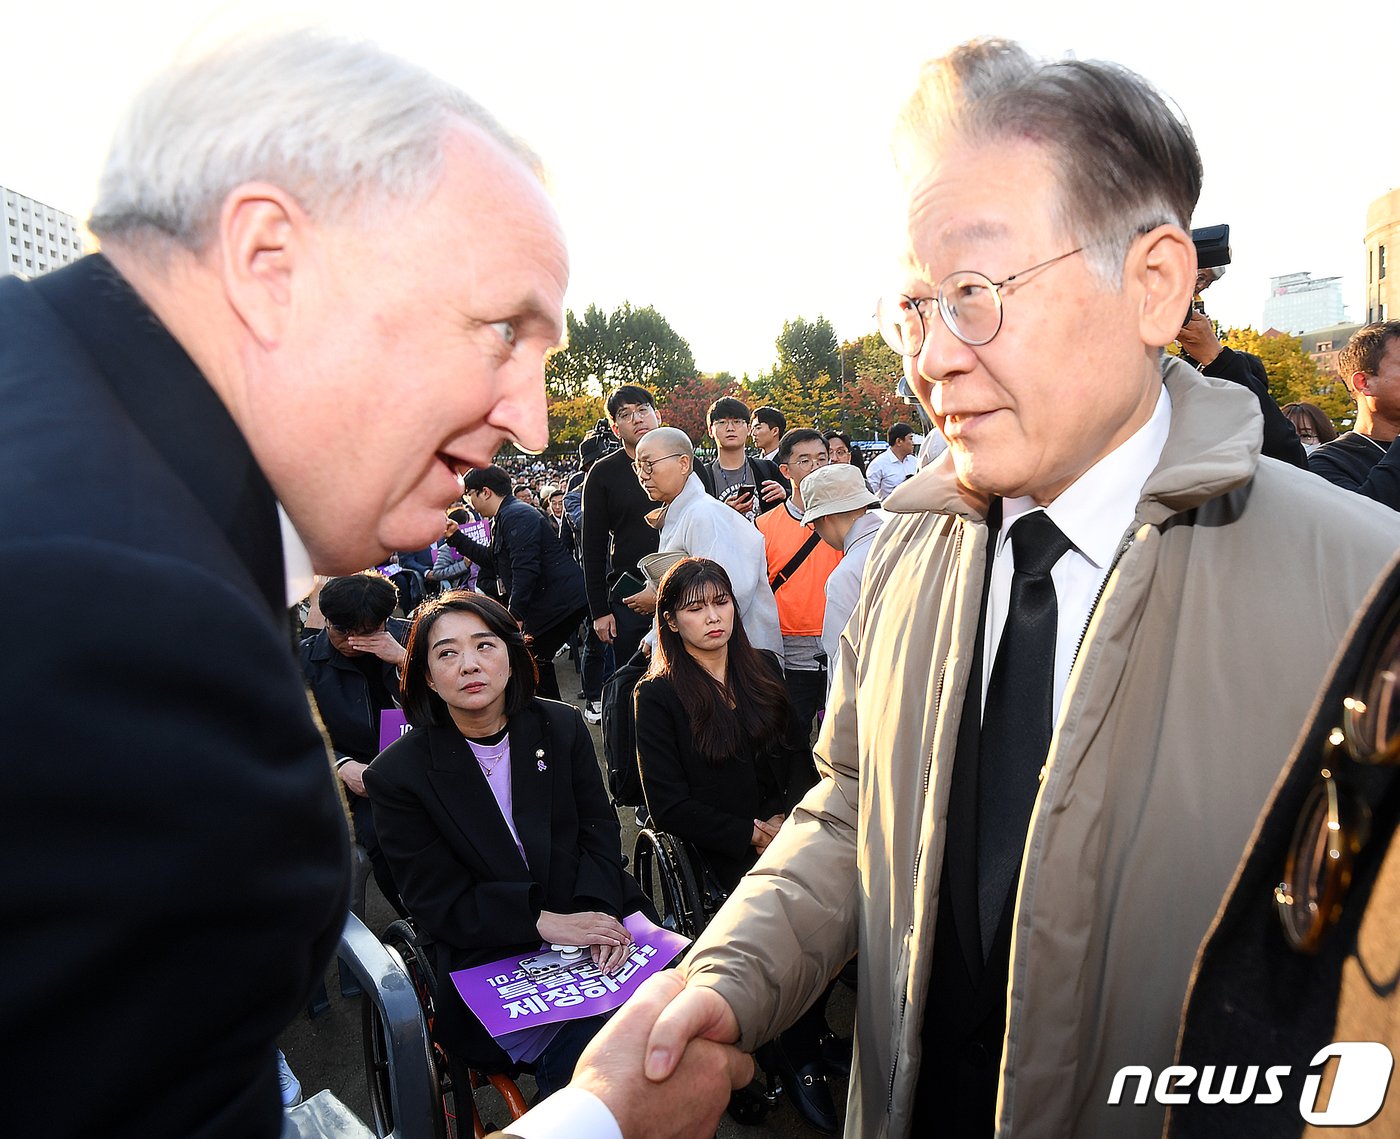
(522,410)
(942,357)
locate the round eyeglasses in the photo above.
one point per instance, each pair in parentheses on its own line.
(1335,823)
(968,301)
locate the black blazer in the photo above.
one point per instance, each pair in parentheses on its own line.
(541,582)
(458,868)
(174,850)
(711,806)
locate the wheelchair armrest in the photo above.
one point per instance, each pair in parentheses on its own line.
(410,1055)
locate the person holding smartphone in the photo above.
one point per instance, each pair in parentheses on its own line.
(748,484)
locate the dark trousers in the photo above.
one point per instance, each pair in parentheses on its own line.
(807,694)
(598,664)
(544,644)
(631,628)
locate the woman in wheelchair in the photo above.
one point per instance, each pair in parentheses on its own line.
(494,820)
(723,762)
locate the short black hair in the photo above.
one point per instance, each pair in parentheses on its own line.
(796,437)
(897,432)
(490,478)
(425,708)
(629,393)
(360,602)
(771,417)
(727,407)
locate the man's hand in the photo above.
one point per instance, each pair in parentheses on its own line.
(686,1107)
(606,628)
(643,603)
(695,1012)
(773,491)
(380,644)
(742,503)
(449,528)
(1199,339)
(352,774)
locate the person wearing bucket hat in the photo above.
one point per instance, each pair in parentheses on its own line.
(840,507)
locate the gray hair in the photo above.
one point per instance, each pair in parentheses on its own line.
(334,122)
(672,438)
(1124,162)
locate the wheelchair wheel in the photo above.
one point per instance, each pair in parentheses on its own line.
(401,940)
(666,871)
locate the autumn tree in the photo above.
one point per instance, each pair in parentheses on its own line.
(572,418)
(627,346)
(1293,374)
(687,404)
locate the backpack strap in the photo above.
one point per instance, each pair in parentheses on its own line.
(779,579)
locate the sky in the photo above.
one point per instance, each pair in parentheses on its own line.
(729,163)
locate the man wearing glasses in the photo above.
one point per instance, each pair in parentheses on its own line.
(615,533)
(692,524)
(1066,691)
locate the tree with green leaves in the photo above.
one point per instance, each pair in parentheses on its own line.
(1293,374)
(627,346)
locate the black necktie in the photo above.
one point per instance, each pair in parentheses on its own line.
(1017,716)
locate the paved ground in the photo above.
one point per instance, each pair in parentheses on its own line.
(327,1052)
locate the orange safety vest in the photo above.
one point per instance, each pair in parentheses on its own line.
(802,598)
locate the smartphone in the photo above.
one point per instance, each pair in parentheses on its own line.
(628,585)
(744,488)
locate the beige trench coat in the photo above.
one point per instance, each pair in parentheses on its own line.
(1231,592)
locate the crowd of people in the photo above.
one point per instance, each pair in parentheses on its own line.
(1069,817)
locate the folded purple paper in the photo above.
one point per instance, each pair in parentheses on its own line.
(549,986)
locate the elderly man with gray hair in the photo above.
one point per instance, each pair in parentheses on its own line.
(1066,692)
(693,524)
(327,287)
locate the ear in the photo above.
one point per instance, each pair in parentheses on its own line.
(262,247)
(1160,270)
(1360,384)
(671,624)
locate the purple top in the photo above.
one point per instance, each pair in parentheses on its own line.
(494,759)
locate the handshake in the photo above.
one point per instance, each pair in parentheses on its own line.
(665,1065)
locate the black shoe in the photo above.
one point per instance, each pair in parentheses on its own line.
(836,1054)
(807,1088)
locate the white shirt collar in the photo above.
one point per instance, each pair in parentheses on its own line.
(296,561)
(1095,510)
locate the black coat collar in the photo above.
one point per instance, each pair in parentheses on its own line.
(172,404)
(457,778)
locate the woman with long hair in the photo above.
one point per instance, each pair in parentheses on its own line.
(493,818)
(723,762)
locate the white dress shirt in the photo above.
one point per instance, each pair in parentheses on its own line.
(570,1113)
(886,472)
(1094,513)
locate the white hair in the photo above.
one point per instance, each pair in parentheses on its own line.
(331,121)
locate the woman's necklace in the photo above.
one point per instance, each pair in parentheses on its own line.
(489,755)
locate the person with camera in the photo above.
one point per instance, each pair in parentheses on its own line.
(1202,349)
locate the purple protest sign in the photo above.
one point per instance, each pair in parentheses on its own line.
(392,725)
(549,987)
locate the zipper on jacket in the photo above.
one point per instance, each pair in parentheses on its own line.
(1103,587)
(918,858)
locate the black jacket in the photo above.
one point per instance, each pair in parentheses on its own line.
(174,849)
(342,693)
(1280,436)
(763,469)
(541,583)
(713,806)
(615,532)
(458,868)
(1354,463)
